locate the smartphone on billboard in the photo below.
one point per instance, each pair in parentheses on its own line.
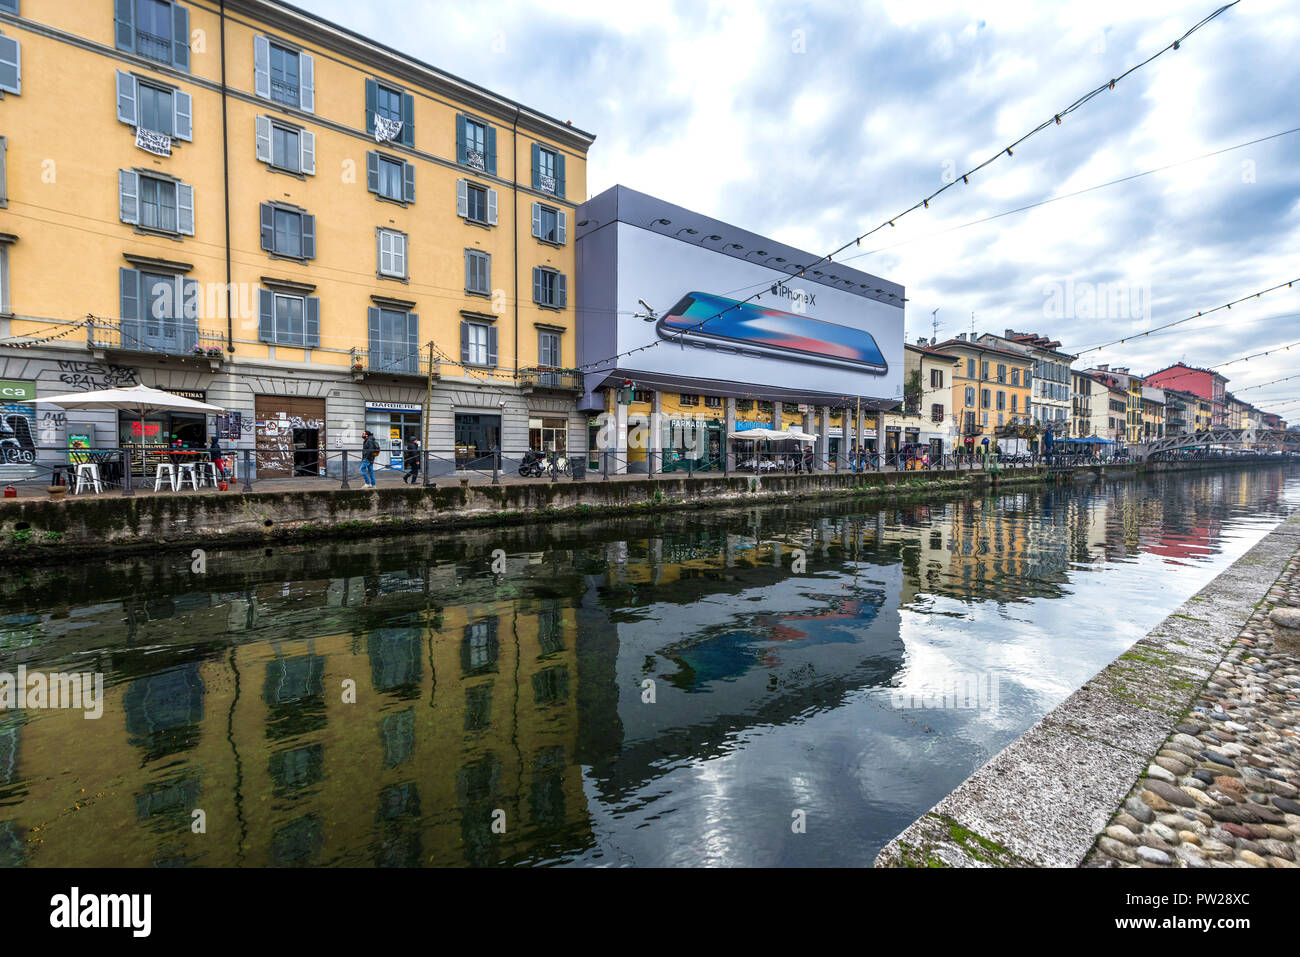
(748,329)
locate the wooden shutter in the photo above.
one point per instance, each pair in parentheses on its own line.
(408,119)
(308,236)
(412,362)
(261,66)
(183,121)
(490,146)
(469,271)
(537,166)
(185,209)
(372,104)
(537,218)
(561,290)
(307,82)
(264,139)
(460,139)
(124,21)
(464,342)
(384,251)
(492,345)
(311,322)
(268,227)
(539,289)
(266,315)
(562,225)
(180,37)
(372,326)
(462,198)
(399,253)
(128,195)
(372,171)
(11,65)
(408,182)
(126,98)
(492,207)
(129,284)
(559,173)
(307,152)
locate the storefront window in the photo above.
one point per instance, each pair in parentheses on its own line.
(476,437)
(548,435)
(391,429)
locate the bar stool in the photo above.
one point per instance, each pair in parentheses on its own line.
(187,470)
(158,473)
(88,474)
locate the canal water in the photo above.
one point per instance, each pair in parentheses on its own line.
(784,685)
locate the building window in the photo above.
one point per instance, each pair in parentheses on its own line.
(390,178)
(985,399)
(392,253)
(970,396)
(155,29)
(713,401)
(687,399)
(288,320)
(1002,372)
(1015,377)
(1002,399)
(159,313)
(548,170)
(149,106)
(286,147)
(549,288)
(970,368)
(548,349)
(476,204)
(936,378)
(394,337)
(288,232)
(284,75)
(154,203)
(476,144)
(1015,399)
(642,395)
(936,413)
(478,344)
(391,111)
(984,370)
(549,225)
(478,272)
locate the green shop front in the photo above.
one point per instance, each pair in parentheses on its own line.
(686,449)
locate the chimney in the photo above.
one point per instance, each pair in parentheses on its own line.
(1103,366)
(1010,334)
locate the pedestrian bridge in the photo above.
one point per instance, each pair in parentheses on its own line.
(1258,439)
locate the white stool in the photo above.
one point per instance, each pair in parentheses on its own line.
(88,474)
(158,473)
(188,470)
(208,472)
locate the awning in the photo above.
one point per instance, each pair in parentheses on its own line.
(760,434)
(799,436)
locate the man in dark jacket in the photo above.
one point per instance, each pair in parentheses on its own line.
(411,461)
(214,456)
(369,451)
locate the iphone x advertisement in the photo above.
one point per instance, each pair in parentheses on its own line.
(706,324)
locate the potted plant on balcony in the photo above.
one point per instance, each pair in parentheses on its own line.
(214,352)
(197,351)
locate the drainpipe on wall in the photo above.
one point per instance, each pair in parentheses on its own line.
(225,162)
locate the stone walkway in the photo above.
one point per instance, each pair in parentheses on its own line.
(1224,788)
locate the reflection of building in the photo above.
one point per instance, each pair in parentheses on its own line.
(373,204)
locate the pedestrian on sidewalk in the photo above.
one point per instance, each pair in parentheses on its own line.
(215,457)
(411,461)
(369,451)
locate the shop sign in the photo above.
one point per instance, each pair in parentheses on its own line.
(395,406)
(197,396)
(13,390)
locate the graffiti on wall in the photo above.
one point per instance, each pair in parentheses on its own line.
(89,376)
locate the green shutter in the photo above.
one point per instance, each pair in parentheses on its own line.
(537,166)
(460,138)
(268,227)
(180,37)
(408,119)
(266,315)
(129,284)
(372,104)
(312,322)
(124,20)
(559,173)
(490,146)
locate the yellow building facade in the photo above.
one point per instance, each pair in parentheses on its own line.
(289,220)
(991,390)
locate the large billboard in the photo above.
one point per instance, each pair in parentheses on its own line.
(800,336)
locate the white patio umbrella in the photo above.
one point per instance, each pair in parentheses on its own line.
(138,398)
(799,436)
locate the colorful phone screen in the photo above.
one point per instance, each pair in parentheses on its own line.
(750,323)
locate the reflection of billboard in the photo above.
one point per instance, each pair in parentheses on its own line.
(730,309)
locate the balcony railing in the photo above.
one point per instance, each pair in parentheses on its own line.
(393,362)
(164,337)
(565,380)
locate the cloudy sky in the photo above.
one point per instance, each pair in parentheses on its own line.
(813,122)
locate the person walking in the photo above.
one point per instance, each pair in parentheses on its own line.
(411,461)
(215,457)
(369,451)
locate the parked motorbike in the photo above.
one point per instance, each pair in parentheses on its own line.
(534,465)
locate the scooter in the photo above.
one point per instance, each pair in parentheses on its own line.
(534,465)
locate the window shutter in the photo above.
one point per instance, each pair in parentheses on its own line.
(562,228)
(190,299)
(11,65)
(469,270)
(460,140)
(268,227)
(185,209)
(266,315)
(307,149)
(264,139)
(485,270)
(372,171)
(537,219)
(408,182)
(372,104)
(312,312)
(538,288)
(384,251)
(561,291)
(399,254)
(308,236)
(559,173)
(412,363)
(408,119)
(129,283)
(464,342)
(307,82)
(183,126)
(462,198)
(537,166)
(492,346)
(492,207)
(261,65)
(372,325)
(490,144)
(126,98)
(180,37)
(124,19)
(128,194)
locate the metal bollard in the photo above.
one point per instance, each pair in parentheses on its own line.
(496,470)
(345,470)
(555,468)
(248,472)
(126,472)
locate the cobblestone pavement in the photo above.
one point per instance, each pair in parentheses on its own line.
(1224,788)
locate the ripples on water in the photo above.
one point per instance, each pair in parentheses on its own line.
(505,719)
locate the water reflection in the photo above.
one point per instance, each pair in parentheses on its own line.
(643,691)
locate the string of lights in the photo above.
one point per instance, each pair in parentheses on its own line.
(28,343)
(924,202)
